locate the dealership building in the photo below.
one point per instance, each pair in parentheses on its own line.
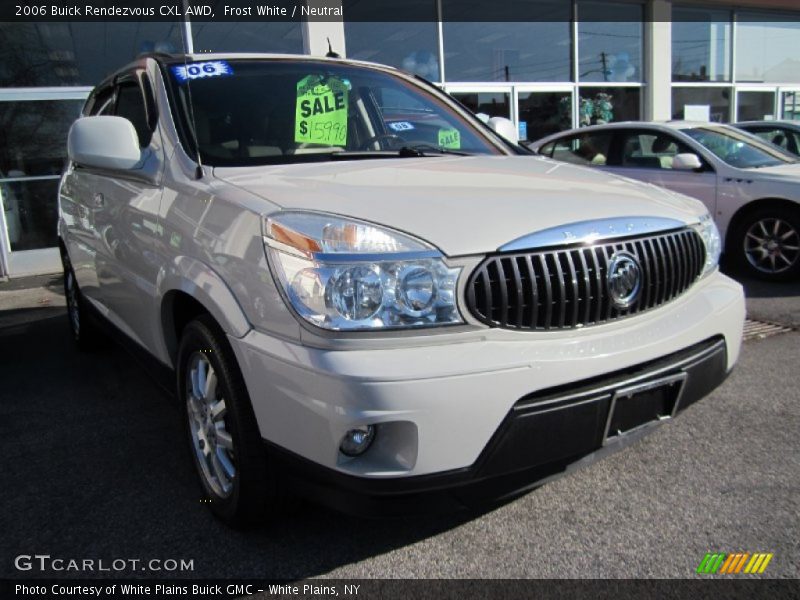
(579,62)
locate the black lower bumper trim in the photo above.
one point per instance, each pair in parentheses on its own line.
(545,434)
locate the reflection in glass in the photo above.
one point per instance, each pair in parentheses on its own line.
(77,53)
(234,36)
(31,212)
(756,106)
(33,136)
(609,41)
(494,104)
(718,100)
(544,113)
(701,45)
(599,105)
(739,149)
(413,47)
(767,51)
(507,51)
(791,106)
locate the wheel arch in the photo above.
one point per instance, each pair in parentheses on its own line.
(751,207)
(188,288)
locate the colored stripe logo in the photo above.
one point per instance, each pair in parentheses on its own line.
(721,563)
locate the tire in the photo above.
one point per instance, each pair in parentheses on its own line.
(766,244)
(82,325)
(224,439)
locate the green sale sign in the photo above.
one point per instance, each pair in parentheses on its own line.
(321,111)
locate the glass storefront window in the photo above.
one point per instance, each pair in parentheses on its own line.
(494,104)
(790,106)
(767,51)
(609,41)
(77,53)
(701,45)
(33,143)
(717,99)
(33,136)
(507,51)
(234,36)
(755,106)
(543,113)
(606,104)
(31,213)
(413,47)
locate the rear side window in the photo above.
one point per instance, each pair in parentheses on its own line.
(130,104)
(582,149)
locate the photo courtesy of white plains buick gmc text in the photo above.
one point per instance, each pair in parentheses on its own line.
(363,294)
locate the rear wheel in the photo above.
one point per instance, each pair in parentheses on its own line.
(84,329)
(224,438)
(767,244)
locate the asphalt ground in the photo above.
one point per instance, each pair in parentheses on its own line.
(94,465)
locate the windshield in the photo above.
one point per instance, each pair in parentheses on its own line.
(277,111)
(739,149)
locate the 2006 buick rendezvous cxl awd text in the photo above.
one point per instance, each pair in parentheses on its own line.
(366,295)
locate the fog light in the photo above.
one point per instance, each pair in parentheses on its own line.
(356,441)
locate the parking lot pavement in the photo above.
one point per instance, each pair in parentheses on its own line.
(94,466)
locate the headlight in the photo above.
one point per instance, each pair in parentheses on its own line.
(347,275)
(710,234)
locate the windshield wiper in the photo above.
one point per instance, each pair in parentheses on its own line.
(415,151)
(428,149)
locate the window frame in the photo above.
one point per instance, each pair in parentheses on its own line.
(134,78)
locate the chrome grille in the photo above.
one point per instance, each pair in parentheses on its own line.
(563,288)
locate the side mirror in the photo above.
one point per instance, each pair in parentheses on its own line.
(686,162)
(504,128)
(104,142)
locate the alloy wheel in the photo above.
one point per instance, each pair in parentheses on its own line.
(772,245)
(211,440)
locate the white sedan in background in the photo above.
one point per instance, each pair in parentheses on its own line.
(750,186)
(785,134)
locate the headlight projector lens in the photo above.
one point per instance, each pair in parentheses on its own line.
(357,292)
(416,291)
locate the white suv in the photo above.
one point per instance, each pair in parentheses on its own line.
(365,295)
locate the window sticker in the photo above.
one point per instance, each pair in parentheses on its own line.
(321,111)
(450,138)
(401,126)
(201,70)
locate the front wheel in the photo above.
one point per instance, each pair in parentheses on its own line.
(767,244)
(223,435)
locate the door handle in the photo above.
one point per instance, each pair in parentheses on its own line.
(99,200)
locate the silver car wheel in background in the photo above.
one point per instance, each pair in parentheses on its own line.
(772,245)
(72,303)
(212,443)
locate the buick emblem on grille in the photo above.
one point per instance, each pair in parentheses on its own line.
(624,279)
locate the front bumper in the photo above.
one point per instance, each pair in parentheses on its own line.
(440,407)
(545,435)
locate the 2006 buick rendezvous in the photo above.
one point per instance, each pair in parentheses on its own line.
(364,292)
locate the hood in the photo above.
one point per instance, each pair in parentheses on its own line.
(462,205)
(788,173)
